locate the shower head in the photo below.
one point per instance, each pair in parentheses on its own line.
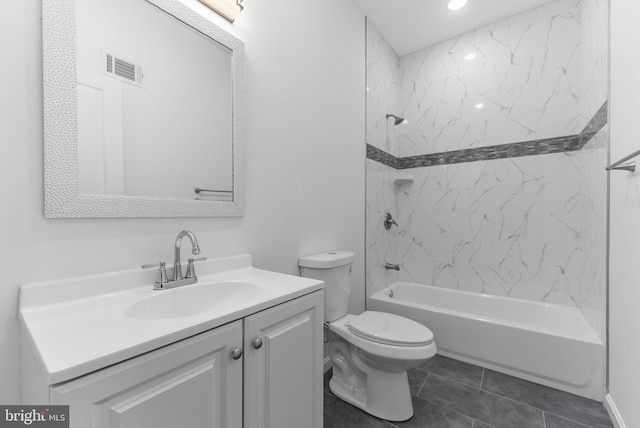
(397,120)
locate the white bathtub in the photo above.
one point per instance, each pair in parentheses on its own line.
(549,344)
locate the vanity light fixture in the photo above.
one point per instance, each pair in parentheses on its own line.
(228,9)
(397,120)
(453,4)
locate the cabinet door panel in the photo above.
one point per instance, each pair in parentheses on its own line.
(194,383)
(283,378)
(172,400)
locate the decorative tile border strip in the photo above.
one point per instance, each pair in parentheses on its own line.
(381,156)
(595,124)
(512,150)
(524,148)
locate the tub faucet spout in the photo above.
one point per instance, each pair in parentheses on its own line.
(391,266)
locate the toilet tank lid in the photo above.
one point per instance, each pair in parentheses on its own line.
(327,260)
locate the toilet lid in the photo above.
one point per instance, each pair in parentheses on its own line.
(390,329)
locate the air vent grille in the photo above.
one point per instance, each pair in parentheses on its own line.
(109,63)
(126,70)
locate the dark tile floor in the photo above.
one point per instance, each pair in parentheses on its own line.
(450,393)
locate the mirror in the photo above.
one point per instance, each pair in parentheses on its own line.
(143,103)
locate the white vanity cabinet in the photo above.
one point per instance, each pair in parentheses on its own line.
(283,365)
(194,383)
(205,381)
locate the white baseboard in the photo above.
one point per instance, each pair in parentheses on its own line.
(327,364)
(616,418)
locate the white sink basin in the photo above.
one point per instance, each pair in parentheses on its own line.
(194,299)
(79,325)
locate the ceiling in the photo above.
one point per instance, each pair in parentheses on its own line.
(411,25)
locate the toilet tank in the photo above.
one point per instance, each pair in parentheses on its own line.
(334,268)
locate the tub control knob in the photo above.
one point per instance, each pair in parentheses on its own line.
(257,343)
(236,353)
(388,221)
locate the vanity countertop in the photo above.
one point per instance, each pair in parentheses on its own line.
(82,324)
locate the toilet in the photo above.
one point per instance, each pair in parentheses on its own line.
(371,352)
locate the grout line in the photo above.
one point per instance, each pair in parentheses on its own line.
(529,405)
(449,409)
(512,400)
(474,418)
(423,384)
(456,381)
(473,424)
(534,407)
(568,419)
(493,394)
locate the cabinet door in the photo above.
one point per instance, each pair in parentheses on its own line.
(283,376)
(194,383)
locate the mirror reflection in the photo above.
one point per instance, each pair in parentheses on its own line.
(154,104)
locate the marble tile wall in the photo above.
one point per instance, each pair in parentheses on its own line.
(594,78)
(592,241)
(383,91)
(594,58)
(522,71)
(383,96)
(529,226)
(505,227)
(381,245)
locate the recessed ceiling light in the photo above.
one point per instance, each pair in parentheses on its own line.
(479,106)
(456,4)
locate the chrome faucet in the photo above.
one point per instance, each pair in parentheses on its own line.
(162,281)
(195,249)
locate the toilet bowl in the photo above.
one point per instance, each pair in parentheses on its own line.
(371,374)
(370,353)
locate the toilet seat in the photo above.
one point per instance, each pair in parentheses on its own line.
(382,350)
(389,329)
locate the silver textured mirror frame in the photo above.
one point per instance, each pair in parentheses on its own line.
(61,198)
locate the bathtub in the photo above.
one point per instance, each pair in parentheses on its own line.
(553,345)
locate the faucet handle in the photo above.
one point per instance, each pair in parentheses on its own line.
(150,266)
(191,271)
(162,277)
(162,274)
